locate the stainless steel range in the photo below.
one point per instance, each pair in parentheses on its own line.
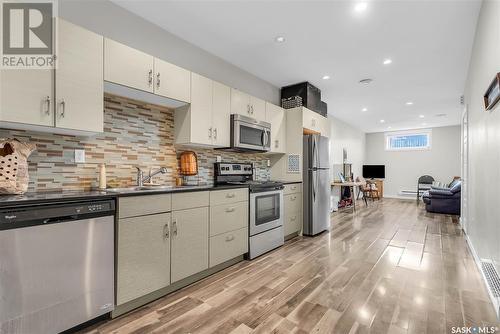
(265,206)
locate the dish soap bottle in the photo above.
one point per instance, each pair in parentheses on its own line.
(102,177)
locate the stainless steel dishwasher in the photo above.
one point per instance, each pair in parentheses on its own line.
(56,265)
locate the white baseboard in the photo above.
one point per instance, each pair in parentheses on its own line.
(477,260)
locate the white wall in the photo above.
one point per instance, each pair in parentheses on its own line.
(110,20)
(403,168)
(483,224)
(343,135)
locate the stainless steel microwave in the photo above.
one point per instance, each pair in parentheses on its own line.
(249,134)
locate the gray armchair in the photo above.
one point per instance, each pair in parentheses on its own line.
(444,200)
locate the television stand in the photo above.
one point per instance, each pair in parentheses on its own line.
(379,183)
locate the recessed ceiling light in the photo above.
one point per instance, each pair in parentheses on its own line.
(365,81)
(409,103)
(387,61)
(361,6)
(326,77)
(389,127)
(421,116)
(364,109)
(382,121)
(279,39)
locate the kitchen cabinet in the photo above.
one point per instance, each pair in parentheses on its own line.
(206,121)
(315,122)
(277,117)
(247,105)
(189,242)
(143,256)
(227,246)
(79,82)
(69,97)
(292,207)
(172,81)
(127,66)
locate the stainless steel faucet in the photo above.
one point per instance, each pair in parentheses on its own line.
(141,178)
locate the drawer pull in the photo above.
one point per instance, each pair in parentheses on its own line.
(166,231)
(230,238)
(294,218)
(231,195)
(293,187)
(230,210)
(174,223)
(293,198)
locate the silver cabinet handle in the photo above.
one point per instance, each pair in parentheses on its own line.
(63,108)
(293,187)
(150,77)
(231,195)
(47,101)
(293,198)
(248,109)
(293,218)
(210,132)
(230,238)
(276,143)
(174,227)
(166,231)
(251,108)
(158,80)
(215,133)
(230,210)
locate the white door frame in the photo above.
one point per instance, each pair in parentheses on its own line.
(464,203)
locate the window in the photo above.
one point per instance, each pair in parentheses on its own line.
(408,140)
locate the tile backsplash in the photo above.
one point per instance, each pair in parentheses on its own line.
(135,134)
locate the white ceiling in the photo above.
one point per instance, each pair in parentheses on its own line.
(429,43)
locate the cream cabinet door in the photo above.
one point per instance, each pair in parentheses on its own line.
(293,213)
(79,79)
(27,96)
(221,115)
(127,66)
(277,117)
(240,103)
(172,81)
(309,120)
(189,242)
(257,108)
(143,256)
(201,110)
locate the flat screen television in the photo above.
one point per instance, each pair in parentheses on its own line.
(374,171)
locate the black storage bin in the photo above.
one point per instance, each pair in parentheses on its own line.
(323,108)
(310,95)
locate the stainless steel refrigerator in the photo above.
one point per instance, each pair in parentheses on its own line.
(316,194)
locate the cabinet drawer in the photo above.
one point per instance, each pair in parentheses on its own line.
(293,222)
(292,203)
(144,205)
(292,188)
(227,246)
(219,197)
(228,217)
(190,200)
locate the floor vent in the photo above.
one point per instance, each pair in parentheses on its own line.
(492,277)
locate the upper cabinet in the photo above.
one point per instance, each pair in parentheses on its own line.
(277,117)
(247,105)
(206,121)
(315,122)
(135,69)
(79,100)
(127,66)
(69,97)
(172,81)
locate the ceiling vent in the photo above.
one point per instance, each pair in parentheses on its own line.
(365,81)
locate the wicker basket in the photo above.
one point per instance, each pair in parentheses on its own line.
(14,176)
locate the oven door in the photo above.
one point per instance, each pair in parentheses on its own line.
(248,136)
(266,211)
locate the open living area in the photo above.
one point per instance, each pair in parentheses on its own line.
(278,166)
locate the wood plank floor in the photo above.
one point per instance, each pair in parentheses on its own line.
(389,268)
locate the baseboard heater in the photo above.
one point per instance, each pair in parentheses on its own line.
(408,193)
(492,278)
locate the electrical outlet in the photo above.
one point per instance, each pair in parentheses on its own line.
(79,156)
(218,158)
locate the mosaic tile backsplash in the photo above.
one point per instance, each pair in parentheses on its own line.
(136,134)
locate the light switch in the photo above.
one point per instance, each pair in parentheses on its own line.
(218,158)
(79,156)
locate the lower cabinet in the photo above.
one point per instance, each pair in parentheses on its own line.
(292,202)
(226,246)
(189,242)
(143,256)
